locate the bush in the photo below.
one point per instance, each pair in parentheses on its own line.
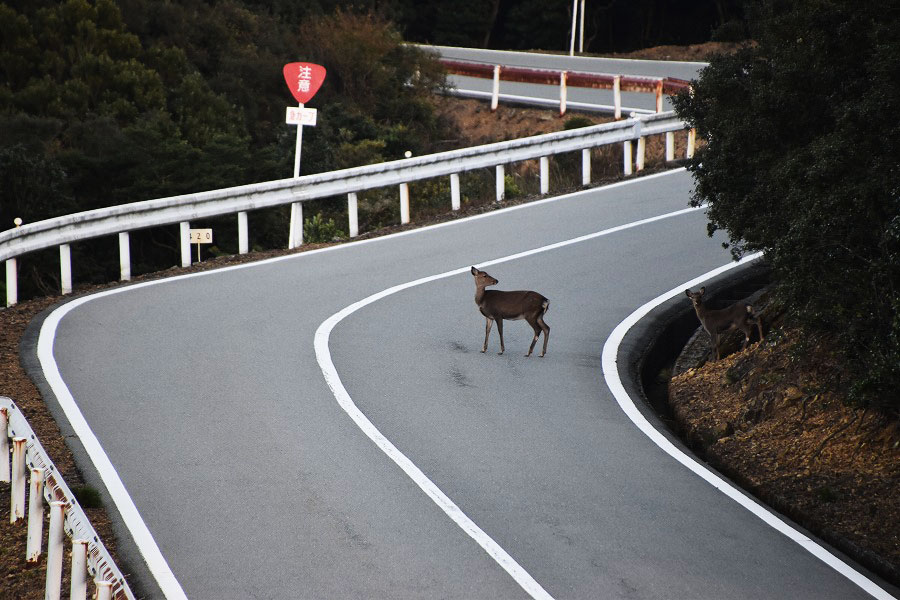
(802,161)
(317,230)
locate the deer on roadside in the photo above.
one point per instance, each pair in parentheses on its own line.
(737,316)
(497,305)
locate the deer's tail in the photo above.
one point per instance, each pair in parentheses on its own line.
(545,305)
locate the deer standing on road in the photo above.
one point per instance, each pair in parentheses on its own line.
(497,305)
(737,316)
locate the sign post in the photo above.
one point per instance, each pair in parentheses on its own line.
(200,236)
(303,80)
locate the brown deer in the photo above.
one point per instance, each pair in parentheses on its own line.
(737,316)
(496,305)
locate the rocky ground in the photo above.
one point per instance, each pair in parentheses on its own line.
(761,416)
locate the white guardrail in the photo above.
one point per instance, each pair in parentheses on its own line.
(31,464)
(181,210)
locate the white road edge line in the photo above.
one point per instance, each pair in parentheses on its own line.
(611,374)
(149,550)
(139,531)
(323,356)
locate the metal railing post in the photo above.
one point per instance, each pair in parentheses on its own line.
(500,182)
(243,232)
(104,590)
(35,517)
(495,90)
(353,214)
(641,151)
(185,234)
(55,535)
(17,502)
(78,587)
(691,140)
(586,166)
(454,191)
(563,94)
(404,203)
(295,235)
(617,96)
(670,146)
(626,158)
(65,269)
(4,446)
(545,175)
(124,256)
(12,283)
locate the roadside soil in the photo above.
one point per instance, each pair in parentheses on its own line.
(849,485)
(774,419)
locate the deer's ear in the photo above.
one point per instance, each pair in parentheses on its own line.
(702,290)
(474,271)
(687,293)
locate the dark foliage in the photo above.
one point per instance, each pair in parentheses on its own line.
(802,161)
(105,103)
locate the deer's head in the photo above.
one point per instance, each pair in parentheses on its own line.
(482,279)
(696,297)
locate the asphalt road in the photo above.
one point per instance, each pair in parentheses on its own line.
(209,400)
(611,66)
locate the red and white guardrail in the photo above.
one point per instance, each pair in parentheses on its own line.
(658,86)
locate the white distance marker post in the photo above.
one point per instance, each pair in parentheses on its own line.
(200,236)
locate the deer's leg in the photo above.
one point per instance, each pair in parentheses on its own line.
(714,342)
(546,329)
(487,331)
(537,332)
(500,331)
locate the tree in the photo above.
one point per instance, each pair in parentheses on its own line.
(801,161)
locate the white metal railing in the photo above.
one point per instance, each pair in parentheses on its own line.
(31,465)
(120,220)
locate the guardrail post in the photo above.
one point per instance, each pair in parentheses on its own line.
(626,158)
(670,146)
(617,96)
(243,233)
(691,140)
(659,96)
(124,256)
(586,166)
(78,589)
(545,175)
(404,203)
(185,230)
(55,535)
(4,445)
(641,151)
(353,214)
(12,283)
(495,91)
(454,191)
(35,517)
(17,502)
(500,182)
(562,93)
(65,268)
(104,590)
(295,236)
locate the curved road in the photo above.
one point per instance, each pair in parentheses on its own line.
(611,66)
(429,469)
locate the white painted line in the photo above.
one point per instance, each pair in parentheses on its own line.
(611,373)
(323,356)
(132,518)
(135,524)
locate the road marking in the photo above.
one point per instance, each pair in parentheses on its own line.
(611,374)
(323,356)
(147,546)
(139,531)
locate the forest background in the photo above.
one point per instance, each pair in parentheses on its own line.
(107,102)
